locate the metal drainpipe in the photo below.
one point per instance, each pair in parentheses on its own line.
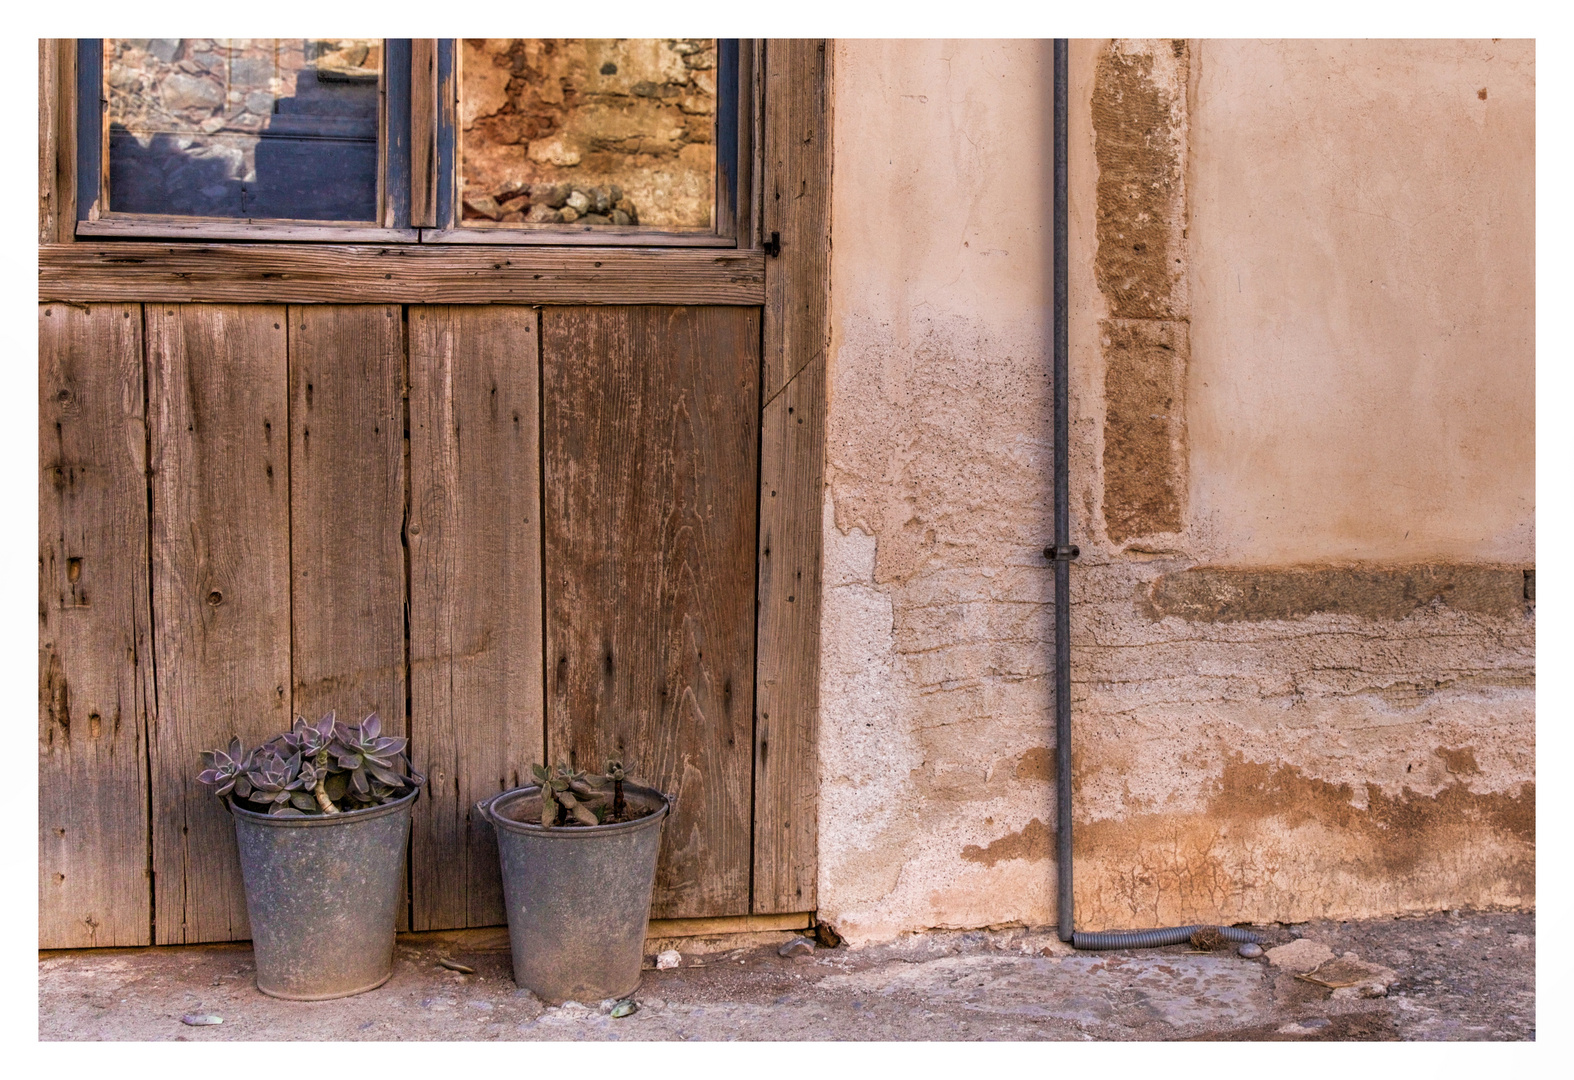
(1061,554)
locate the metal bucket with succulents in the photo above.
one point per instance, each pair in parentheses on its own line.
(322,817)
(578,855)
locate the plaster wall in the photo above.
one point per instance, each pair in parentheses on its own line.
(1363,245)
(1302,675)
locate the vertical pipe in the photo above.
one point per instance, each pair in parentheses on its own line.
(1062,516)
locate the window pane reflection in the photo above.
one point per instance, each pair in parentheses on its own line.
(608,132)
(244,127)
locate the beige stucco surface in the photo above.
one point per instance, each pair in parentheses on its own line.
(1350,754)
(1363,290)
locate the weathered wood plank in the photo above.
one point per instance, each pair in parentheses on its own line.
(727,924)
(649,450)
(797,207)
(423,132)
(218,416)
(602,237)
(792,454)
(475,593)
(787,673)
(57,184)
(347,493)
(174,227)
(399,273)
(95,659)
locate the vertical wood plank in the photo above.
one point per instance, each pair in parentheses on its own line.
(475,593)
(94,644)
(787,689)
(57,77)
(48,140)
(347,492)
(797,206)
(423,132)
(649,450)
(219,418)
(792,454)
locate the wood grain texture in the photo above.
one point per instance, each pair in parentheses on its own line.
(797,199)
(410,273)
(57,184)
(792,455)
(95,657)
(787,673)
(347,492)
(475,593)
(649,450)
(218,416)
(601,236)
(48,140)
(423,132)
(132,226)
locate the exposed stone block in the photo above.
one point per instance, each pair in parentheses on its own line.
(1144,426)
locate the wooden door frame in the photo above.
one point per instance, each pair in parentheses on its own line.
(782,264)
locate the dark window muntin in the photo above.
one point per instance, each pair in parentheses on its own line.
(736,139)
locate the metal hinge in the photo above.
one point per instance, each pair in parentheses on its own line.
(773,246)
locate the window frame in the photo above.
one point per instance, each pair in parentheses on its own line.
(419,162)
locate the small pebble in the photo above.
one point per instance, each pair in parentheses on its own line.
(626,1007)
(668,958)
(1251,950)
(201,1019)
(798,946)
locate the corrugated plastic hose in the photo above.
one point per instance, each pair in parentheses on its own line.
(1062,554)
(1152,939)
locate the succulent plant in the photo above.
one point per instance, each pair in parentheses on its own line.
(224,768)
(569,796)
(313,769)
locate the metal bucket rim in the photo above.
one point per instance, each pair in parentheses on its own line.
(488,808)
(313,821)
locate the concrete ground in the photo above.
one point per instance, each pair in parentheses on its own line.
(1455,976)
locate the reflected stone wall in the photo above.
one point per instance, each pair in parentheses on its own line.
(243,127)
(600,132)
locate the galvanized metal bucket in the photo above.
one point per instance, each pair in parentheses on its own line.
(578,897)
(323,894)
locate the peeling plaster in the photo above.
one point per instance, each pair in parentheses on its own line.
(1256,738)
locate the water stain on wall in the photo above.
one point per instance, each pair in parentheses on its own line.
(1273,838)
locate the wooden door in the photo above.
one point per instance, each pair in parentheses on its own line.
(529,504)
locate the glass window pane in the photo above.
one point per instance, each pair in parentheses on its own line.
(589,131)
(244,127)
